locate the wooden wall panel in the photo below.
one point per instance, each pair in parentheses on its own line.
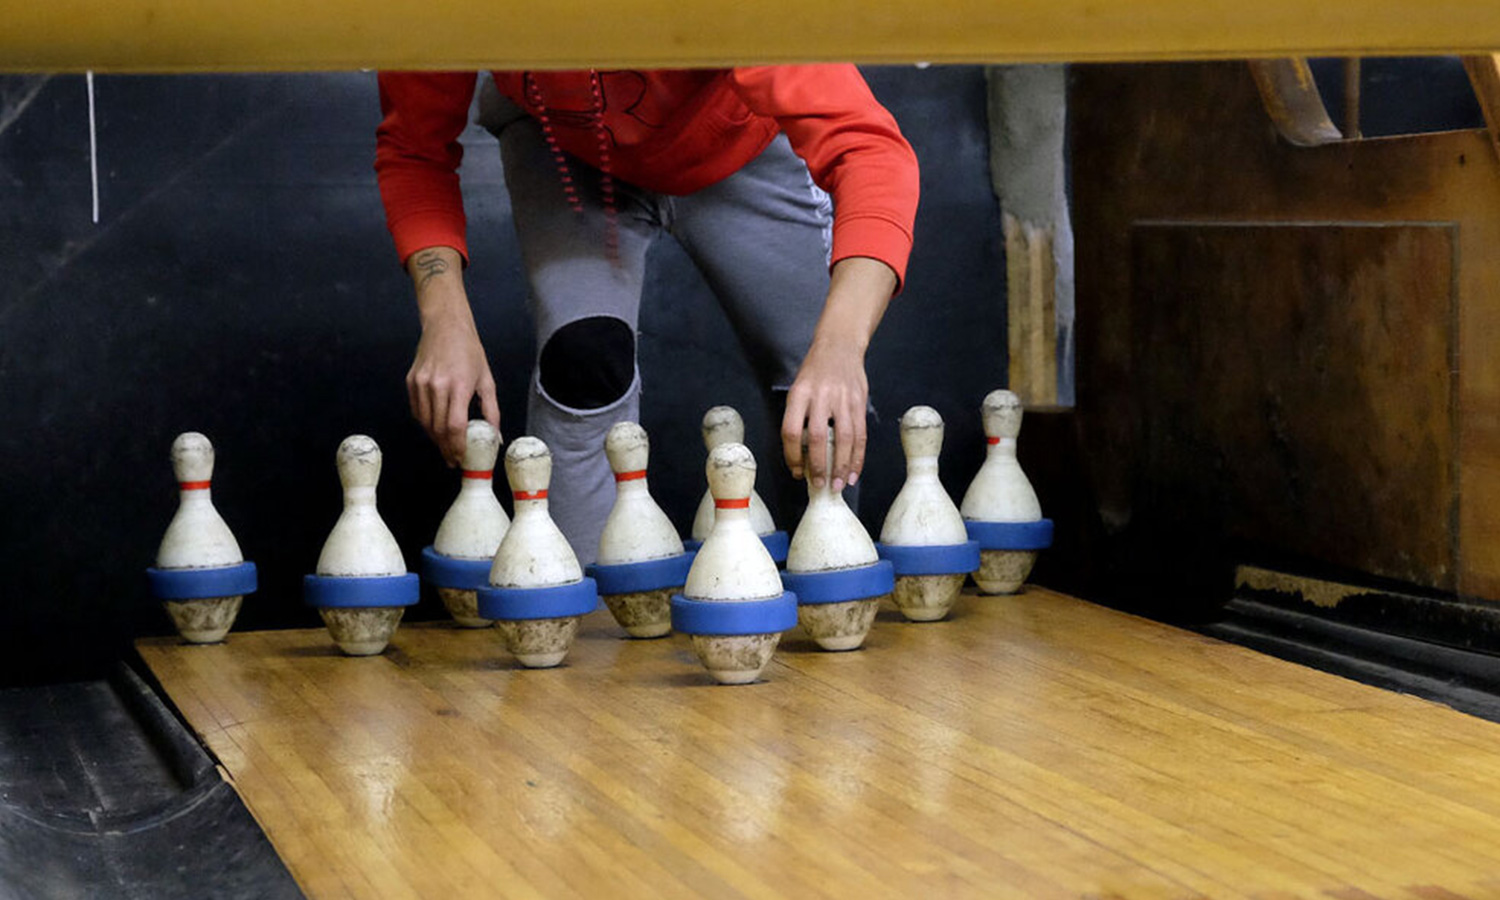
(1298,381)
(1192,143)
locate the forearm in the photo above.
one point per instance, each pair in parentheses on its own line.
(859,291)
(438,281)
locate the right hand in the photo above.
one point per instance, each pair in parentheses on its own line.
(450,367)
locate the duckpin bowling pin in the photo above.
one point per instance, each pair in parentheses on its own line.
(923,534)
(641,559)
(200,574)
(361,587)
(470,532)
(834,569)
(723,425)
(1000,508)
(537,590)
(733,603)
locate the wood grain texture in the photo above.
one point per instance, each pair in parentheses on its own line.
(1034,746)
(1297,388)
(272,35)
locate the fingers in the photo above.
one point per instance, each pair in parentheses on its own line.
(792,431)
(455,431)
(860,441)
(489,406)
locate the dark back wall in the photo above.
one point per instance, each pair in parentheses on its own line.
(240,282)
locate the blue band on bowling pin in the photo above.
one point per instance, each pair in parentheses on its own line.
(945,559)
(723,618)
(356,592)
(202,584)
(648,575)
(777,544)
(1011,535)
(555,602)
(449,572)
(841,585)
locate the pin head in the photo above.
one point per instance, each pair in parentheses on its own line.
(722,425)
(731,472)
(627,447)
(1002,414)
(921,431)
(192,457)
(528,465)
(481,447)
(359,461)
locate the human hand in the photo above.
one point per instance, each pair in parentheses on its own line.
(450,367)
(831,387)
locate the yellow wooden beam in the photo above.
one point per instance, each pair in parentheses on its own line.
(262,35)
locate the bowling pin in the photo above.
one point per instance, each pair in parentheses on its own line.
(830,538)
(475,523)
(534,554)
(923,515)
(723,425)
(636,531)
(198,538)
(360,546)
(1001,492)
(733,566)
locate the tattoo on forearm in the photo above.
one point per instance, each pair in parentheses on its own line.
(429,265)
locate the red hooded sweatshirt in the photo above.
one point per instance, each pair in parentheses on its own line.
(670,131)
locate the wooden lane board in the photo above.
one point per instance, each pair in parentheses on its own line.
(1031,746)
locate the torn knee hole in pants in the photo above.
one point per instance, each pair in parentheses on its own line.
(589,363)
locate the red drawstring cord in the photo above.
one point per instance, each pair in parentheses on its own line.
(606,180)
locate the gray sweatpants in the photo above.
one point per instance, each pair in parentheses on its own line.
(761,238)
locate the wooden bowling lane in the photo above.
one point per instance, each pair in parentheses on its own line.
(1031,746)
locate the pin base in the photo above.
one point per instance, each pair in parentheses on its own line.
(777,544)
(841,585)
(347,592)
(202,584)
(1011,535)
(555,602)
(946,559)
(451,572)
(732,618)
(639,577)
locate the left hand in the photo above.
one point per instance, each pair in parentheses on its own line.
(831,385)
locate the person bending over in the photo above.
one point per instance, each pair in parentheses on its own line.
(790,187)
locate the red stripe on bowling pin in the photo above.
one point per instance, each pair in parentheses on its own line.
(992,440)
(741,503)
(530,495)
(630,476)
(479,474)
(194,485)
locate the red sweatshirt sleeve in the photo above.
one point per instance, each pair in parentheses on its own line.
(417,155)
(852,147)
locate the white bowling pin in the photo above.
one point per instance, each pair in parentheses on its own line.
(534,554)
(1001,492)
(360,546)
(829,538)
(198,538)
(636,531)
(723,425)
(476,522)
(923,515)
(733,565)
